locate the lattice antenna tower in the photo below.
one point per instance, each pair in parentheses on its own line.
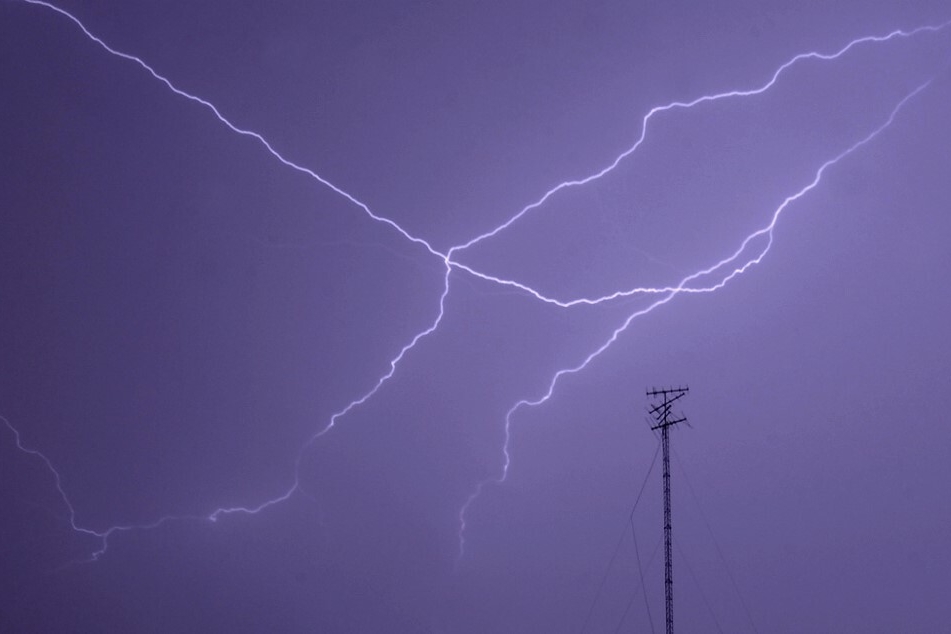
(664,419)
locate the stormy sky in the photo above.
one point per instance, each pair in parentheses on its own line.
(252,383)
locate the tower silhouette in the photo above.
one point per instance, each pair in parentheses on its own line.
(664,420)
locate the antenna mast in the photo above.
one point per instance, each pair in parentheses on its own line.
(664,420)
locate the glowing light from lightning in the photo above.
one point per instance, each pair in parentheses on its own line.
(690,104)
(104,535)
(234,128)
(346,410)
(682,287)
(687,284)
(295,485)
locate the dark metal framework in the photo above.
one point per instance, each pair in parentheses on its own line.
(664,420)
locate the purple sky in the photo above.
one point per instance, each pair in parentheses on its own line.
(180,313)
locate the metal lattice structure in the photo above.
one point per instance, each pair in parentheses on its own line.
(664,420)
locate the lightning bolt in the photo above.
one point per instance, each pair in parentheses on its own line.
(346,410)
(670,293)
(295,485)
(690,104)
(687,285)
(103,535)
(674,105)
